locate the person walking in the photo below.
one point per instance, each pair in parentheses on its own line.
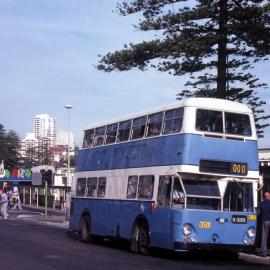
(18,203)
(264,211)
(4,204)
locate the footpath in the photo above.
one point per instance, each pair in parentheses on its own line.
(56,219)
(33,214)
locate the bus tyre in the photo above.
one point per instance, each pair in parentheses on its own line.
(143,239)
(86,229)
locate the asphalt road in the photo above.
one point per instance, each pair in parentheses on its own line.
(25,245)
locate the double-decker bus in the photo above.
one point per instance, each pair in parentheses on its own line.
(180,177)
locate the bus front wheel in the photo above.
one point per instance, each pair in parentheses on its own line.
(143,239)
(86,229)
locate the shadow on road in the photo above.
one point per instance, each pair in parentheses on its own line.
(208,257)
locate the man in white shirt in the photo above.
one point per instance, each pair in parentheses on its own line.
(4,204)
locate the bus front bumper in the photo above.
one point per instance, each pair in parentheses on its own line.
(212,246)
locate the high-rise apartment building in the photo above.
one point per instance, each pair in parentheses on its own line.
(62,139)
(46,127)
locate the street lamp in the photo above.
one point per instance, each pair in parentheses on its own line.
(68,107)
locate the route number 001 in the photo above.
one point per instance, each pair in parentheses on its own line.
(239,168)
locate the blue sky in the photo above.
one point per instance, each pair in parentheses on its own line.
(47,51)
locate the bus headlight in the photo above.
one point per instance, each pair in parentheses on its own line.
(186,229)
(251,233)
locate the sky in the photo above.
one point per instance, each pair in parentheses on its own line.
(48,50)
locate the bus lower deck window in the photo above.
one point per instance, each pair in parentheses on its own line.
(146,187)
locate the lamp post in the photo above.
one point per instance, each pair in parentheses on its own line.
(46,193)
(68,107)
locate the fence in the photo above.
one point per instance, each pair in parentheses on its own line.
(35,196)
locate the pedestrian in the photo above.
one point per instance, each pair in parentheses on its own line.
(9,194)
(264,211)
(4,204)
(18,203)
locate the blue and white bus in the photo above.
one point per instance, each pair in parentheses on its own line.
(180,177)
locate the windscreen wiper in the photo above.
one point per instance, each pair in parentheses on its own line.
(240,186)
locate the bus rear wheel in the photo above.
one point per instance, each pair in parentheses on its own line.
(86,229)
(143,239)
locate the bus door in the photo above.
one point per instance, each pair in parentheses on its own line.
(161,219)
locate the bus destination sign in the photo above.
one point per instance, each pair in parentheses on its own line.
(223,167)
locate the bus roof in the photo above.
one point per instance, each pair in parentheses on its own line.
(204,103)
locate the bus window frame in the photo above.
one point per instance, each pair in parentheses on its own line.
(90,145)
(139,197)
(97,136)
(101,185)
(137,184)
(96,185)
(170,119)
(118,129)
(223,133)
(234,134)
(145,127)
(106,135)
(170,196)
(148,122)
(81,178)
(206,131)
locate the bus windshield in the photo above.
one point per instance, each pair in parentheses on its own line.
(205,195)
(238,197)
(202,194)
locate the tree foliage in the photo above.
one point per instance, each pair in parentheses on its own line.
(217,42)
(9,146)
(39,154)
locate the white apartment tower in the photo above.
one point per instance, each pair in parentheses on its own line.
(46,127)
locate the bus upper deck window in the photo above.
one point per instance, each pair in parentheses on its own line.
(154,124)
(207,120)
(88,138)
(99,136)
(138,127)
(237,124)
(173,121)
(111,133)
(123,131)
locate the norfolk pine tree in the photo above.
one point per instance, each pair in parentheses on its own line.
(9,146)
(216,42)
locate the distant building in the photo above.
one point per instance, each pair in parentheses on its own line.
(62,139)
(29,142)
(61,175)
(46,127)
(264,159)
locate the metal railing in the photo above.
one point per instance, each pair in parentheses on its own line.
(35,196)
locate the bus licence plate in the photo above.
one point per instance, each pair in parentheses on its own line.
(239,219)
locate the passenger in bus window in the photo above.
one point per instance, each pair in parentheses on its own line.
(178,197)
(148,192)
